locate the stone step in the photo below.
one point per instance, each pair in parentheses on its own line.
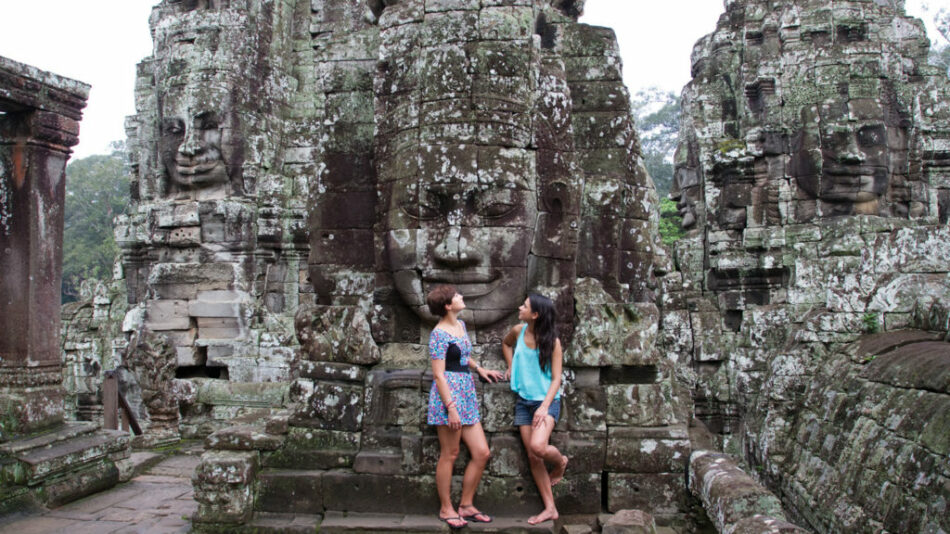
(39,463)
(304,491)
(65,432)
(142,461)
(364,523)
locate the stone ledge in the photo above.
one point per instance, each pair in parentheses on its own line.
(732,499)
(66,432)
(64,455)
(338,522)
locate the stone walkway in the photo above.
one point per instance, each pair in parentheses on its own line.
(158,501)
(161,501)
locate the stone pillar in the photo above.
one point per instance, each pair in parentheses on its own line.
(39,122)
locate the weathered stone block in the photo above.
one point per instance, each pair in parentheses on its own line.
(584,408)
(184,237)
(219,327)
(76,484)
(647,450)
(630,522)
(641,405)
(290,491)
(332,406)
(378,462)
(362,492)
(597,340)
(219,468)
(586,451)
(340,372)
(337,334)
(178,215)
(576,494)
(505,23)
(508,456)
(167,315)
(199,308)
(498,407)
(243,438)
(394,397)
(311,448)
(211,276)
(249,395)
(663,493)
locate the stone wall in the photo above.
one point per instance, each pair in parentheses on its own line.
(810,177)
(873,420)
(93,342)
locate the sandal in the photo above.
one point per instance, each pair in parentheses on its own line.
(478,517)
(448,521)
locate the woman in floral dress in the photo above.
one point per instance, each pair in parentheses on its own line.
(453,406)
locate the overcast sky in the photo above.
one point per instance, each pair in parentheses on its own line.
(100,41)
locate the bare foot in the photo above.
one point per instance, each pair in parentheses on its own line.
(558,472)
(546,515)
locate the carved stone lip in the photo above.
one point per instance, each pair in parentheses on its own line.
(470,283)
(198,168)
(850,170)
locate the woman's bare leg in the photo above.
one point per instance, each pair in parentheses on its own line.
(474,437)
(536,444)
(449,452)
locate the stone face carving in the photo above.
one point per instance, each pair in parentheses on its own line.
(199,143)
(799,112)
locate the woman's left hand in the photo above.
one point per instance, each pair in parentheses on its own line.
(539,416)
(490,375)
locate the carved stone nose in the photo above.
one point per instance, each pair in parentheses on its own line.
(190,146)
(453,250)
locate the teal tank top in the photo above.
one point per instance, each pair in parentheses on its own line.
(528,380)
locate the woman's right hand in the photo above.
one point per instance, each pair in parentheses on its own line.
(508,374)
(455,422)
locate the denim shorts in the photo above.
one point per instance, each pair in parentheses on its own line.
(524,410)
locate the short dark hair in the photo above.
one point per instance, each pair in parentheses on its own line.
(439,298)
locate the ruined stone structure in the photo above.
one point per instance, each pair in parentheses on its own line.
(305,170)
(488,145)
(213,251)
(399,146)
(812,178)
(42,459)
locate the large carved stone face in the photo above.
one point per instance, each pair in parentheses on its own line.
(686,180)
(474,235)
(845,154)
(198,144)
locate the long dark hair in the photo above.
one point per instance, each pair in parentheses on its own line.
(545,328)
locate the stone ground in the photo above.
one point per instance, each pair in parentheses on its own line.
(159,500)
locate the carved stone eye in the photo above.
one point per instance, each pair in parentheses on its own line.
(206,121)
(494,204)
(173,127)
(871,136)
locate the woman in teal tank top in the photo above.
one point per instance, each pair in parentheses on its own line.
(534,356)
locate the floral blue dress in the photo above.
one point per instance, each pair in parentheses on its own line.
(461,385)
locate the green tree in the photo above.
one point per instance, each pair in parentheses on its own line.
(97,189)
(670,221)
(657,113)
